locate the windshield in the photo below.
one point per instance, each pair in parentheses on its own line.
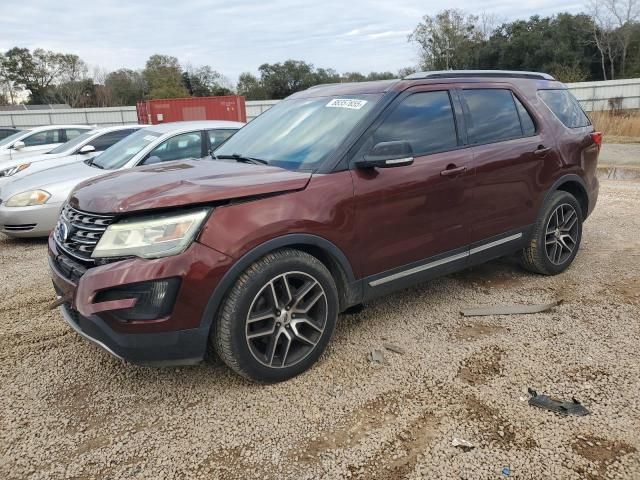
(12,138)
(299,134)
(72,144)
(119,154)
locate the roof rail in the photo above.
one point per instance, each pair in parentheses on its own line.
(478,73)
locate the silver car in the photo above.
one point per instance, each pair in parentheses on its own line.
(37,140)
(30,206)
(83,147)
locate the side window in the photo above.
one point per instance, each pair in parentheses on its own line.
(42,138)
(73,133)
(528,127)
(105,141)
(493,116)
(425,120)
(217,137)
(185,145)
(565,107)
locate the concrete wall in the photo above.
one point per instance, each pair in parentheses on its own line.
(592,95)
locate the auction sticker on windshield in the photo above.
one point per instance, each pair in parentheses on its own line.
(351,103)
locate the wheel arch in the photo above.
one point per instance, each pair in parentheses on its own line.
(328,253)
(574,185)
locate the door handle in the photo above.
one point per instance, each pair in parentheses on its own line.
(541,150)
(452,171)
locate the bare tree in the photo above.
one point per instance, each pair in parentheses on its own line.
(623,13)
(603,36)
(487,23)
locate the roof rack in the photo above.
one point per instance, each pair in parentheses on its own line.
(479,73)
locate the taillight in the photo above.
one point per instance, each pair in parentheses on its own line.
(597,138)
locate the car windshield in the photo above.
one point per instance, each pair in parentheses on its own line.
(299,134)
(72,144)
(119,154)
(12,138)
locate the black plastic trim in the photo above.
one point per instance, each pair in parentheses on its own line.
(240,265)
(180,347)
(570,177)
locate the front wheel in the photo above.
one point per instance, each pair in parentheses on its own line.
(556,236)
(278,317)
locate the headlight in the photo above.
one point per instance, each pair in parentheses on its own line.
(27,199)
(7,172)
(150,237)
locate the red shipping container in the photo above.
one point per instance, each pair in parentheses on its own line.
(231,107)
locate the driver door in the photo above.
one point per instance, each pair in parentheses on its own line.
(412,220)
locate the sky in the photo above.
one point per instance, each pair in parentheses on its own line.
(234,36)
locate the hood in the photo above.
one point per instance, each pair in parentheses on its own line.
(33,159)
(36,166)
(182,182)
(58,180)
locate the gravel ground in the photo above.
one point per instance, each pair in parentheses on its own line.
(69,410)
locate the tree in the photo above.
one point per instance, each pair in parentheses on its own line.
(40,71)
(205,81)
(8,87)
(541,44)
(603,34)
(163,76)
(250,87)
(125,86)
(446,40)
(283,79)
(623,13)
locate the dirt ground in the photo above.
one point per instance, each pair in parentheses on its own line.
(69,410)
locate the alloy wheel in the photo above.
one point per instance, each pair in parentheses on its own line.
(561,234)
(286,319)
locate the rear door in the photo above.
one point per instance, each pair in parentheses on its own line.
(410,217)
(512,153)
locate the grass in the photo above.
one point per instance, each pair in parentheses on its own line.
(617,127)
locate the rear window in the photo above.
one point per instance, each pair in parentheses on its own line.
(493,115)
(565,107)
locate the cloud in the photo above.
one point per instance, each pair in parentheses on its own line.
(240,35)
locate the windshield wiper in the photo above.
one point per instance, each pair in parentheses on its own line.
(90,162)
(240,158)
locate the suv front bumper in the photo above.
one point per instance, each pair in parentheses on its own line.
(178,339)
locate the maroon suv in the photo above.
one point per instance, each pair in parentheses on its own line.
(336,195)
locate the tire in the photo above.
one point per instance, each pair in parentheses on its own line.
(548,250)
(254,317)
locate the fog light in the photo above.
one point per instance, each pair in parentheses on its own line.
(155,299)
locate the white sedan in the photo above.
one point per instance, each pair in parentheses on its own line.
(33,141)
(83,147)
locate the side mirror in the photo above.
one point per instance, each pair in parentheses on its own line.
(152,160)
(19,145)
(388,155)
(87,149)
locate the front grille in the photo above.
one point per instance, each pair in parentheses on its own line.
(77,233)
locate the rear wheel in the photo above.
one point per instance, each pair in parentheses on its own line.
(278,318)
(556,236)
